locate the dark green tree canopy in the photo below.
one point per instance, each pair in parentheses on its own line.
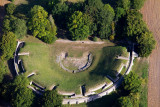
(52,99)
(146,44)
(3,70)
(38,21)
(10,8)
(134,24)
(101,16)
(137,4)
(78,27)
(124,102)
(132,83)
(15,25)
(21,95)
(19,28)
(8,45)
(106,17)
(41,26)
(125,4)
(120,12)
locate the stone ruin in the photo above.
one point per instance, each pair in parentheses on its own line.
(88,63)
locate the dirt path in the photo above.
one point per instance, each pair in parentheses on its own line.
(85,42)
(151,14)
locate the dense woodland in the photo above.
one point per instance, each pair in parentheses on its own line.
(120,22)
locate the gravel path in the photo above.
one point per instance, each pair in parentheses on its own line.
(151,14)
(85,42)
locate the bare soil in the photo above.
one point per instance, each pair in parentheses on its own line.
(151,14)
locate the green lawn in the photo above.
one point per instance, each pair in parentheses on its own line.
(42,60)
(141,68)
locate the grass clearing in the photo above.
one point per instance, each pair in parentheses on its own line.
(141,68)
(42,61)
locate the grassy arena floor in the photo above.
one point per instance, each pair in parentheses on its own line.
(42,61)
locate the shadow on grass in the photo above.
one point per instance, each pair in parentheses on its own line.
(11,67)
(107,62)
(25,8)
(106,101)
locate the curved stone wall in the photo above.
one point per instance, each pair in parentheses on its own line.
(75,99)
(87,65)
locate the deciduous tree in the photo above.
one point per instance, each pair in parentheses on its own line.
(8,45)
(2,70)
(21,95)
(106,17)
(137,4)
(77,26)
(146,44)
(132,83)
(124,102)
(52,99)
(40,26)
(19,28)
(10,8)
(38,21)
(125,4)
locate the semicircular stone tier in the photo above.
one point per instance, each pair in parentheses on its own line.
(86,66)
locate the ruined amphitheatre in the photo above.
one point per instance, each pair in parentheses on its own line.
(77,60)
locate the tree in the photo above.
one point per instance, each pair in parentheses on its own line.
(6,25)
(2,70)
(10,8)
(52,99)
(124,102)
(106,17)
(134,24)
(15,25)
(135,98)
(77,26)
(40,26)
(38,21)
(8,22)
(8,45)
(137,4)
(92,9)
(125,4)
(19,28)
(132,83)
(21,95)
(60,14)
(120,12)
(146,44)
(101,17)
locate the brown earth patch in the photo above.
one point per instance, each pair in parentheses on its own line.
(151,14)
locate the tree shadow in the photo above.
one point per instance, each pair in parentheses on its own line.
(113,3)
(106,65)
(25,8)
(106,101)
(11,67)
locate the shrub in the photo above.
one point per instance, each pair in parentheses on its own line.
(52,99)
(111,38)
(95,39)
